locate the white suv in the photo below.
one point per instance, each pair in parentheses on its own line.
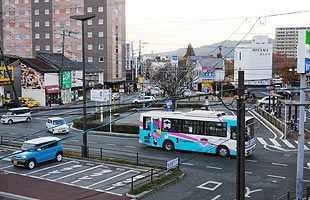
(143,99)
(57,125)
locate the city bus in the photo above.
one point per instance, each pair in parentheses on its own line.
(200,131)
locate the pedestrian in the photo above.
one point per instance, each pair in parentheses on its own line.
(49,101)
(207,103)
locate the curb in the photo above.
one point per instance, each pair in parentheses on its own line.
(149,192)
(109,134)
(279,133)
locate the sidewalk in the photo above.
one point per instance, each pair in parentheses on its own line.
(22,187)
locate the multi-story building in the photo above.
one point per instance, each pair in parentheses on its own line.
(31,26)
(286,41)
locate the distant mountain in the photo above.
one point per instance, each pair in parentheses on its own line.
(209,49)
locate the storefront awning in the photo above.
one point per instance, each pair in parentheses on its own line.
(52,89)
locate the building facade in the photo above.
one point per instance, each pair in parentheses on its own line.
(31,26)
(255,59)
(286,41)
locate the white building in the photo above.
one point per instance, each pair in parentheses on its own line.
(255,59)
(286,40)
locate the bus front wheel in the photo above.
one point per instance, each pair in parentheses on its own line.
(222,151)
(168,145)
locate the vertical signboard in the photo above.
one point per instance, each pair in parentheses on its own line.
(128,56)
(99,95)
(303,52)
(4,77)
(174,61)
(66,80)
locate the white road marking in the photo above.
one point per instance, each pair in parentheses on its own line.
(217,197)
(13,133)
(110,144)
(211,167)
(131,147)
(305,147)
(105,180)
(189,164)
(274,176)
(39,170)
(213,183)
(249,172)
(255,161)
(74,140)
(262,141)
(76,181)
(92,142)
(288,144)
(275,135)
(280,164)
(307,181)
(85,170)
(6,167)
(275,142)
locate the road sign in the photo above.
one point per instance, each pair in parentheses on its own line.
(303,52)
(99,95)
(171,164)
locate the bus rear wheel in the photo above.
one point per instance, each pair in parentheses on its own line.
(168,145)
(222,151)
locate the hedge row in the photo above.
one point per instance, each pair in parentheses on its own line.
(117,128)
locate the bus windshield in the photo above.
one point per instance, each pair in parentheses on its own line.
(249,130)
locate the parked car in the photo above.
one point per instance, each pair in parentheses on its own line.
(187,93)
(38,150)
(29,102)
(265,100)
(21,114)
(57,125)
(7,102)
(143,99)
(116,96)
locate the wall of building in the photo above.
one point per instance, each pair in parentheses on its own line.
(37,94)
(255,59)
(51,79)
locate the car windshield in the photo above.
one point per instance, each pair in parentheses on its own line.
(9,113)
(27,146)
(59,122)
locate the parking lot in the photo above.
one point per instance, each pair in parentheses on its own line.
(88,175)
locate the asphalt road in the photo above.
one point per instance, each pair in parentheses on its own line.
(270,172)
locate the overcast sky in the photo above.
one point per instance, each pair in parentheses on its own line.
(171,24)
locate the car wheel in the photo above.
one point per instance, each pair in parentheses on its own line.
(10,122)
(31,164)
(28,119)
(222,151)
(58,157)
(168,145)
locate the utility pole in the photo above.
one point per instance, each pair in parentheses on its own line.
(62,62)
(139,59)
(240,179)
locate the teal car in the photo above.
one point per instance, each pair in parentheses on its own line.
(37,151)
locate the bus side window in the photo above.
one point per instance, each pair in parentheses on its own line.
(147,123)
(233,132)
(166,125)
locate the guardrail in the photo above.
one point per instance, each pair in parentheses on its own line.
(291,195)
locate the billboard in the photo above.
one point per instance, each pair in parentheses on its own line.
(303,52)
(208,72)
(4,77)
(99,95)
(66,81)
(30,78)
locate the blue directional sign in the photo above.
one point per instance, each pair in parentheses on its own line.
(171,164)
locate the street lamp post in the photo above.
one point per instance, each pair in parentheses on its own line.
(84,18)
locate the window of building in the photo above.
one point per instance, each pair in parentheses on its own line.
(36,24)
(46,1)
(57,36)
(100,46)
(27,47)
(36,12)
(26,36)
(47,47)
(8,48)
(16,13)
(7,25)
(16,1)
(7,2)
(78,23)
(69,47)
(7,13)
(16,24)
(37,36)
(79,47)
(239,55)
(68,10)
(100,34)
(57,23)
(90,22)
(36,1)
(47,23)
(90,59)
(8,37)
(100,9)
(78,10)
(47,36)
(90,47)
(57,11)
(79,59)
(17,48)
(26,12)
(27,23)
(90,34)
(68,23)
(17,36)
(101,59)
(47,11)
(100,21)
(89,9)
(37,48)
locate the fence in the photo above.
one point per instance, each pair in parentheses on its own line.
(272,119)
(291,195)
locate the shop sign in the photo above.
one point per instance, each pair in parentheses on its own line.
(4,77)
(66,81)
(303,52)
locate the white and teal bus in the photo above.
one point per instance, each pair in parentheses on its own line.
(199,131)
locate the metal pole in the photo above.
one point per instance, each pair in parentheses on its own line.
(62,62)
(84,94)
(110,91)
(240,182)
(285,120)
(301,140)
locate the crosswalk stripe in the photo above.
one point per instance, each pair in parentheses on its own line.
(305,147)
(262,141)
(288,144)
(275,142)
